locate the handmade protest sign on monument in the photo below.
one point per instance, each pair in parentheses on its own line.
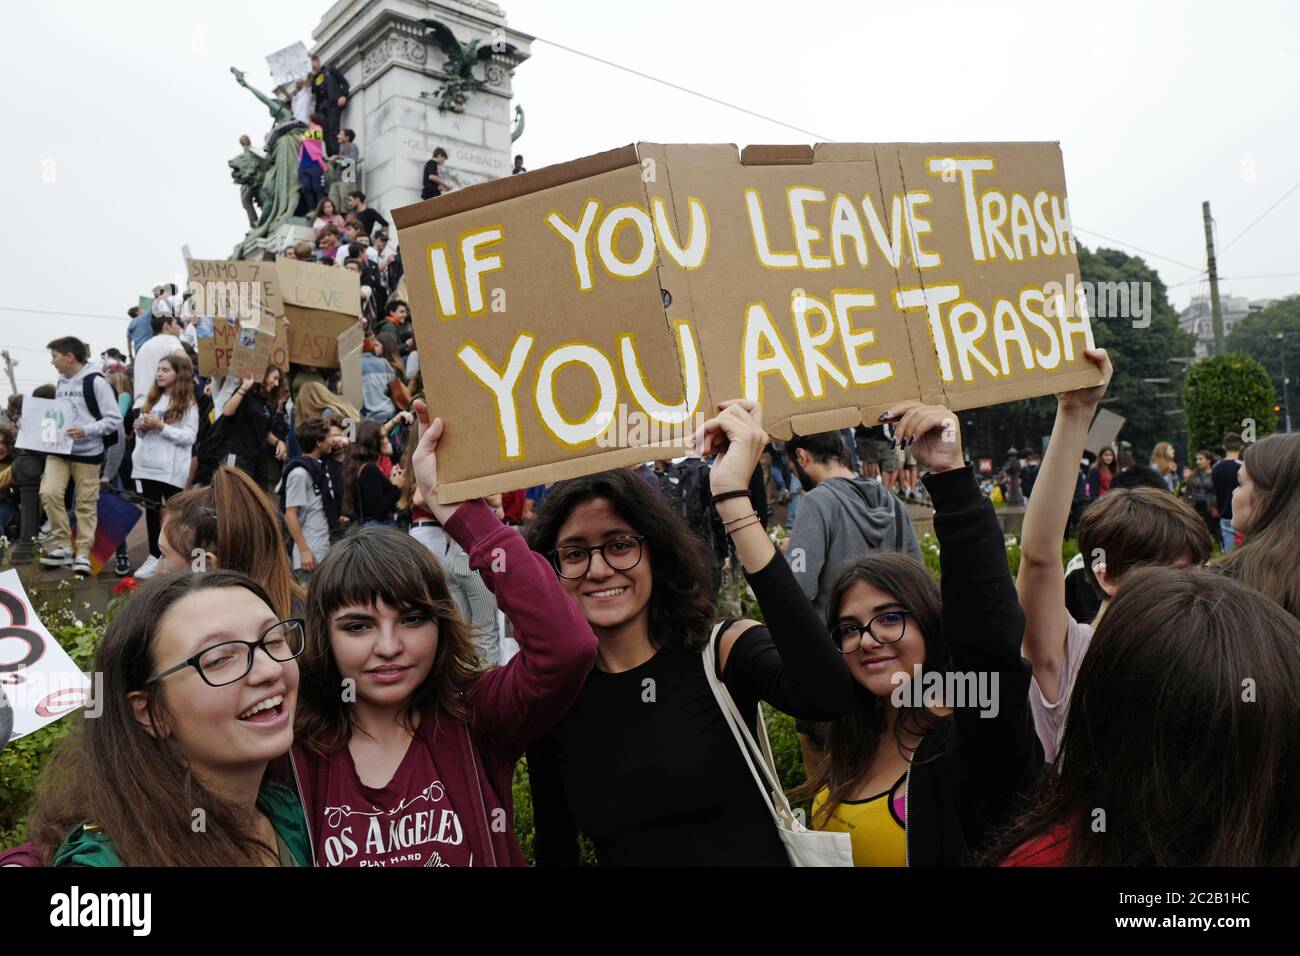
(590,315)
(40,681)
(289,65)
(241,322)
(321,303)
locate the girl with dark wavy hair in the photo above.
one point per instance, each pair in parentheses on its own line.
(938,752)
(644,763)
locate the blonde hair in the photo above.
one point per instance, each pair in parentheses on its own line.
(312,400)
(1162,459)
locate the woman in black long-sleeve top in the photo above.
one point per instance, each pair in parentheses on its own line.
(643,763)
(941,721)
(369,496)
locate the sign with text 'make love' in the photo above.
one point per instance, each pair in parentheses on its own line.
(590,315)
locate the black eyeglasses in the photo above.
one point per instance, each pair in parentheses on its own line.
(885,628)
(229,661)
(621,554)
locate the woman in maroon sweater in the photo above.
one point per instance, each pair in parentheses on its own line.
(405,754)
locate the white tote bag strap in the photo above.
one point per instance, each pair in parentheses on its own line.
(770,788)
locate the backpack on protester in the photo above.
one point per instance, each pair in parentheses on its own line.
(318,472)
(92,404)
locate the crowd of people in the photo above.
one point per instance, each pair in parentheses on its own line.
(323,635)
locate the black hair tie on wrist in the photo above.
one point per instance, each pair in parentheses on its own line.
(723,496)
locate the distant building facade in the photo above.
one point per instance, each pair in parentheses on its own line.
(1198,319)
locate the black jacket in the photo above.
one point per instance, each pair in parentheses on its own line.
(327,85)
(973,775)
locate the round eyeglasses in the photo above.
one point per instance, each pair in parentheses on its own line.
(230,661)
(622,554)
(885,628)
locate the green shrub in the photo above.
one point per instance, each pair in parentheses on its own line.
(1224,394)
(21,761)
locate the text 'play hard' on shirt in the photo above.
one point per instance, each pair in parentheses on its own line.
(408,822)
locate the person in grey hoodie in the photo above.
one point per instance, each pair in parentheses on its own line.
(87,429)
(842,516)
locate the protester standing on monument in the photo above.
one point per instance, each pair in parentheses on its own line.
(326,215)
(331,90)
(95,421)
(311,163)
(434,184)
(369,217)
(165,432)
(519,166)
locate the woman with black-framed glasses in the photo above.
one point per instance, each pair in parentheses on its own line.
(645,764)
(938,751)
(168,766)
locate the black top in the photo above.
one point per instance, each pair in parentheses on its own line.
(973,775)
(375,496)
(249,426)
(1224,475)
(430,189)
(368,219)
(645,765)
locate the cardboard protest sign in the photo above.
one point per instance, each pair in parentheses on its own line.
(349,345)
(240,324)
(321,303)
(1104,430)
(39,679)
(590,315)
(44,426)
(289,65)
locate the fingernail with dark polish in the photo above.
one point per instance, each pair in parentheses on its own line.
(884,415)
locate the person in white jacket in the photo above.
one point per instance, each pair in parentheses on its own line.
(164,438)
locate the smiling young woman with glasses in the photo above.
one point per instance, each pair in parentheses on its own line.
(200,684)
(644,763)
(915,784)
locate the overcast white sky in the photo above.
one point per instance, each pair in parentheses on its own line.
(120,119)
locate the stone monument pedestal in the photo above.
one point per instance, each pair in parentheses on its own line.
(395,68)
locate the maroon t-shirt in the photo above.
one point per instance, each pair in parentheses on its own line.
(409,822)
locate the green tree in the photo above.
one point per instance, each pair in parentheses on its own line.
(1227,394)
(1257,336)
(1137,353)
(1140,353)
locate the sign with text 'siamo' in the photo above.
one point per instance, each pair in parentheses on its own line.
(240,317)
(589,315)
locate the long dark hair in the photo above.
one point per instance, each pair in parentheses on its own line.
(362,451)
(681,601)
(1183,728)
(138,788)
(851,741)
(1267,561)
(374,565)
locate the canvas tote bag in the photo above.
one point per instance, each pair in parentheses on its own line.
(804,847)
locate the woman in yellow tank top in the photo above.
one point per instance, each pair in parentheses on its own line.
(877,825)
